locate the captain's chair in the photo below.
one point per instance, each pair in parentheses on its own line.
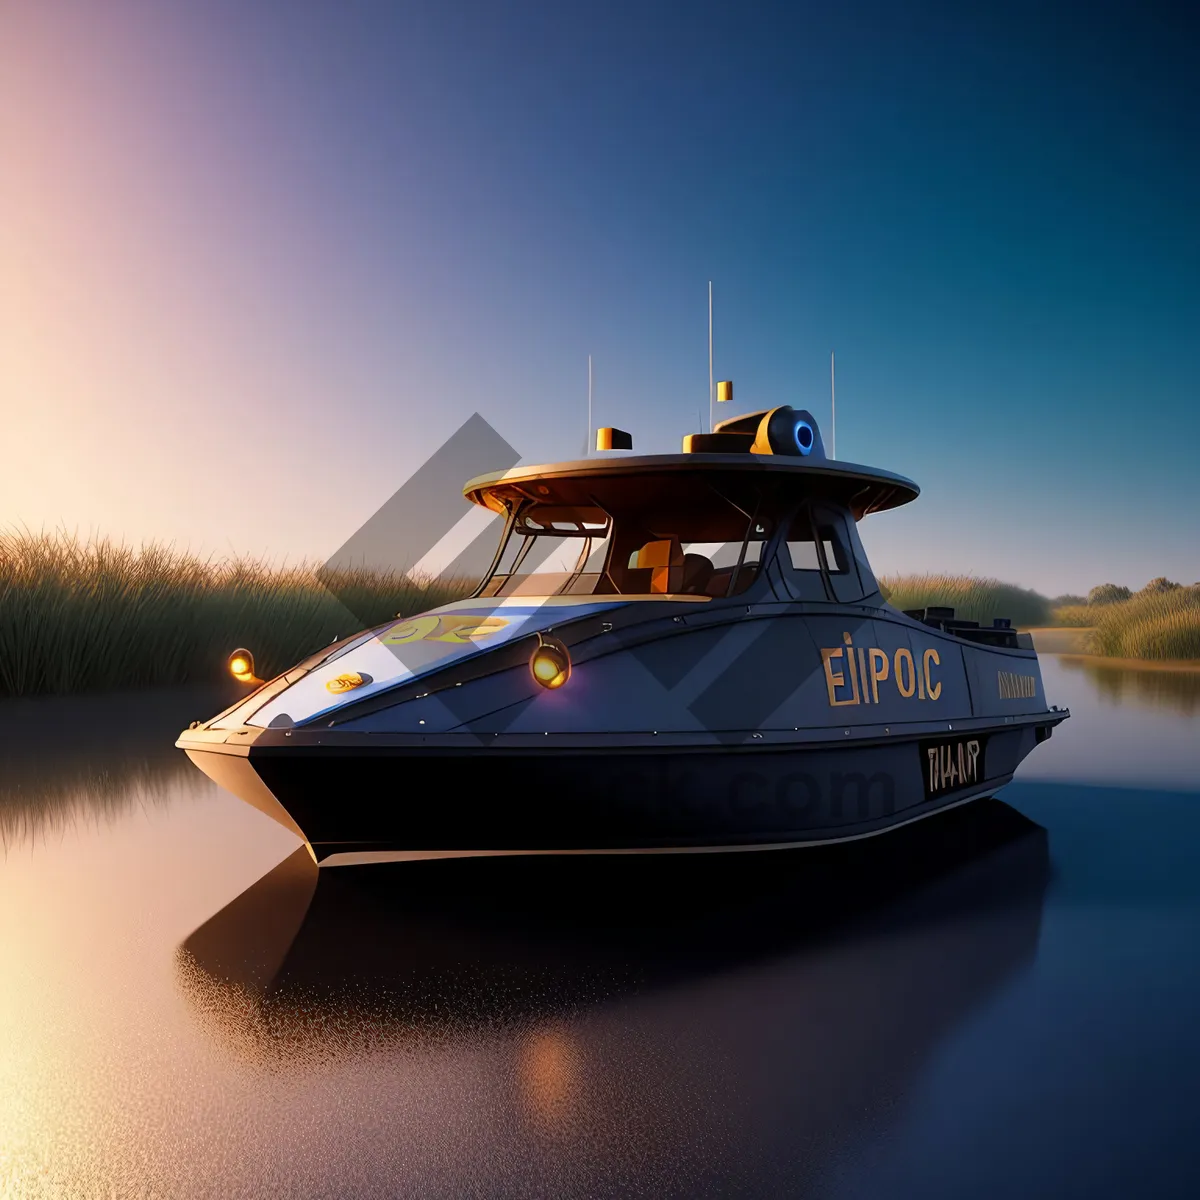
(658,566)
(697,572)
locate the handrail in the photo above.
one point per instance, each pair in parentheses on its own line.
(506,535)
(745,542)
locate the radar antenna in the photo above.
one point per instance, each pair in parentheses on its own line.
(832,410)
(710,369)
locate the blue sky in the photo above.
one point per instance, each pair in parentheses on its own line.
(262,260)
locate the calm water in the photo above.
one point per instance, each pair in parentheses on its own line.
(1007,1004)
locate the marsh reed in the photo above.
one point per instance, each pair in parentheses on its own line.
(972,599)
(1154,625)
(91,616)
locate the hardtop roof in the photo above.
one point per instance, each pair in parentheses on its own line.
(861,489)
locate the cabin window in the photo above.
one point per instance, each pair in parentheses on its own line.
(676,563)
(553,565)
(806,579)
(831,526)
(554,552)
(803,552)
(515,548)
(823,552)
(645,537)
(724,559)
(866,575)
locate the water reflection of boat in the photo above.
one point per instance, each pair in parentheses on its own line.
(708,663)
(341,962)
(66,758)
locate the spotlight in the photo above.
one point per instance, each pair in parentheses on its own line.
(241,666)
(786,431)
(550,664)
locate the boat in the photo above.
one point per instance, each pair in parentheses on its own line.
(668,653)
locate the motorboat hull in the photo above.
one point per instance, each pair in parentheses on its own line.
(356,802)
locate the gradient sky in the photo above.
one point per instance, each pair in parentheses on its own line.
(258,261)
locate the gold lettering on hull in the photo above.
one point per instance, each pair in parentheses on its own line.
(1017,687)
(879,671)
(868,668)
(437,627)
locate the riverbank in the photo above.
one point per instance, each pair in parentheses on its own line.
(1135,664)
(1071,644)
(1056,639)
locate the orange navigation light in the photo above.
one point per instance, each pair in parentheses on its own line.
(550,664)
(241,666)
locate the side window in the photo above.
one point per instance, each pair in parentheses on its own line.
(831,528)
(866,576)
(711,564)
(724,555)
(509,560)
(750,563)
(804,578)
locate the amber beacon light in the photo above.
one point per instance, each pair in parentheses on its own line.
(609,438)
(241,666)
(550,664)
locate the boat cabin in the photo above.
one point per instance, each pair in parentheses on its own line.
(753,510)
(638,529)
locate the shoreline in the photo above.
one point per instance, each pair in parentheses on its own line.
(1131,664)
(1064,641)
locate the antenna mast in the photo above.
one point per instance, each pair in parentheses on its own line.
(710,370)
(832,405)
(587,449)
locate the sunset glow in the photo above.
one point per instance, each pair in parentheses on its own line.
(340,234)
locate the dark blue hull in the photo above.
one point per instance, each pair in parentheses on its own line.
(354,801)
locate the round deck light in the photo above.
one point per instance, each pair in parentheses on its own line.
(550,664)
(241,666)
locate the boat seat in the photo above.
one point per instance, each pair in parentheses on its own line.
(664,562)
(718,584)
(697,571)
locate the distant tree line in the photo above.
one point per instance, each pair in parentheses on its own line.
(1113,593)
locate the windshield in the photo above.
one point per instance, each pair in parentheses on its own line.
(709,548)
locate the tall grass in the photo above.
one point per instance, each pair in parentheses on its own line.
(78,617)
(1154,625)
(981,600)
(1076,616)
